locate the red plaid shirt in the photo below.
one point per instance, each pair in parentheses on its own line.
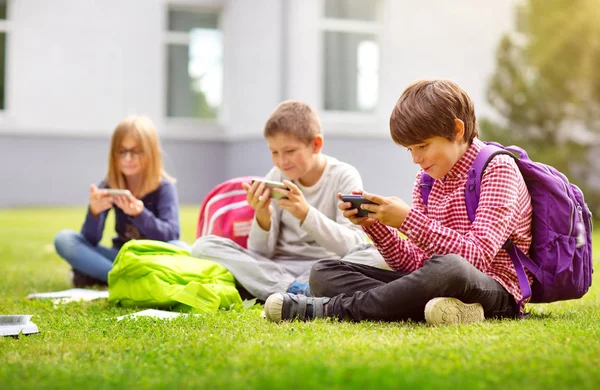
(443,227)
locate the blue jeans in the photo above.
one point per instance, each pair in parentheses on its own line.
(92,260)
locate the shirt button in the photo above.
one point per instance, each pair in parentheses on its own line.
(408,231)
(459,175)
(431,245)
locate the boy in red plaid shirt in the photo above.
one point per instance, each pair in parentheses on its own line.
(447,269)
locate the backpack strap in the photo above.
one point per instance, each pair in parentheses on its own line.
(472,192)
(474,178)
(518,257)
(426,184)
(473,188)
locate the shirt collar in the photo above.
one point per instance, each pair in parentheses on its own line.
(461,168)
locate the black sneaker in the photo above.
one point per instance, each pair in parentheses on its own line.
(81,280)
(286,307)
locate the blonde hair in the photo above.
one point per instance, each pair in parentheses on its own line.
(293,118)
(144,132)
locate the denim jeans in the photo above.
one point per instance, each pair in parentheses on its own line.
(360,292)
(92,260)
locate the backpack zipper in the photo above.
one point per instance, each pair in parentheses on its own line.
(580,229)
(591,219)
(580,209)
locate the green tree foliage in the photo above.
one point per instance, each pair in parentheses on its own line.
(546,88)
(202,108)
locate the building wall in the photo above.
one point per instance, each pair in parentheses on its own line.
(58,170)
(75,68)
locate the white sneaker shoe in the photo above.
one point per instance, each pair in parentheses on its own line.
(450,311)
(274,307)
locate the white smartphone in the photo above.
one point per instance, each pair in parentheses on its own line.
(116,192)
(274,184)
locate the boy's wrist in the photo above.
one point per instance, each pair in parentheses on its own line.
(404,212)
(264,221)
(303,214)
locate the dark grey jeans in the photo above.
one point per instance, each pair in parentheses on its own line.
(360,292)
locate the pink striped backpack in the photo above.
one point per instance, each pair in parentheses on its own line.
(225,212)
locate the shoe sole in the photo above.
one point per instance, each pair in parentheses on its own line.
(451,311)
(274,307)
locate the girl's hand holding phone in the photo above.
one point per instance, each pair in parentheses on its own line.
(129,204)
(100,200)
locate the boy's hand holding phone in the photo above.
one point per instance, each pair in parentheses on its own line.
(294,201)
(390,211)
(278,189)
(287,194)
(100,200)
(352,207)
(259,198)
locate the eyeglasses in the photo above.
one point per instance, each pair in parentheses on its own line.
(134,153)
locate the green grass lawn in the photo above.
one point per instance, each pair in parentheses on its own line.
(81,345)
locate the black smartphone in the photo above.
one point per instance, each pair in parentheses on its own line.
(356,201)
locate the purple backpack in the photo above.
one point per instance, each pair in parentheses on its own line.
(561,250)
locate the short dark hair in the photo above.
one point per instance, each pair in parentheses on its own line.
(428,108)
(294,118)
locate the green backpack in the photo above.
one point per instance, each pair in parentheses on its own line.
(156,274)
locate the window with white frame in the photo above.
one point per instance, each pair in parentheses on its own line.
(194,64)
(3,32)
(351,30)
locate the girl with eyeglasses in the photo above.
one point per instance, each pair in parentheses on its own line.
(146,207)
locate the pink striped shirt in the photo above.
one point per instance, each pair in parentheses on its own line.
(443,227)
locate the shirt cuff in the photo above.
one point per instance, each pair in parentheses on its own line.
(376,230)
(259,233)
(416,227)
(141,219)
(310,220)
(91,217)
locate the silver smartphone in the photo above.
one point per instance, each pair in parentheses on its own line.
(272,185)
(116,192)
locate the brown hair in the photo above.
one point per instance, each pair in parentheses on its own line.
(293,118)
(428,108)
(145,134)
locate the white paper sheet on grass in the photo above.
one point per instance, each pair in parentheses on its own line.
(163,314)
(13,325)
(74,294)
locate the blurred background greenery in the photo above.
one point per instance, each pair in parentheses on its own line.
(546,89)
